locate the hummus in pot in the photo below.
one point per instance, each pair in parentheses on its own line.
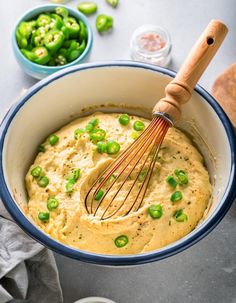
(70,160)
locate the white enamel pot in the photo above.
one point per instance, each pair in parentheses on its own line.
(58,99)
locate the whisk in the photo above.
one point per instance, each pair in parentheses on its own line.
(122,187)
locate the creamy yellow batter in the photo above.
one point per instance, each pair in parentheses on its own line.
(70,224)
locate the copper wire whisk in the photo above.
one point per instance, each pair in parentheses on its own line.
(124,184)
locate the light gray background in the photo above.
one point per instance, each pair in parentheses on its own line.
(204,273)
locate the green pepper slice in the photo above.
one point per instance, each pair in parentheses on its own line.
(101,147)
(101,22)
(138,125)
(121,241)
(42,54)
(87,8)
(176,196)
(109,22)
(37,38)
(69,185)
(43,181)
(99,195)
(171,181)
(71,44)
(52,203)
(82,47)
(97,135)
(29,54)
(94,122)
(155,211)
(23,32)
(104,23)
(89,127)
(66,32)
(62,11)
(74,175)
(73,26)
(54,40)
(53,139)
(182,176)
(75,53)
(25,29)
(33,24)
(63,51)
(124,119)
(36,172)
(180,216)
(113,3)
(44,216)
(78,132)
(22,41)
(112,147)
(43,20)
(67,43)
(60,60)
(72,179)
(56,21)
(83,32)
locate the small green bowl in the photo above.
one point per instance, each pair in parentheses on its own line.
(41,71)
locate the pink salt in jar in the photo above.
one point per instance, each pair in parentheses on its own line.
(151,44)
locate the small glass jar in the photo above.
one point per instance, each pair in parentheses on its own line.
(151,44)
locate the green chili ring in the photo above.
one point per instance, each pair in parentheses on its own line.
(97,135)
(124,119)
(121,241)
(44,216)
(112,147)
(155,211)
(52,203)
(138,125)
(99,195)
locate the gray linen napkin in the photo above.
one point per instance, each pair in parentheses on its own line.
(28,271)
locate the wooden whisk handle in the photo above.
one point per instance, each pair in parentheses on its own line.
(180,89)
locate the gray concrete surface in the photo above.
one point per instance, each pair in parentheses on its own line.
(205,273)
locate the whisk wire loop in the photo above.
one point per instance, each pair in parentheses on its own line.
(105,175)
(138,155)
(139,152)
(154,148)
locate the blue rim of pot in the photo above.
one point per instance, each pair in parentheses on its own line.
(135,259)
